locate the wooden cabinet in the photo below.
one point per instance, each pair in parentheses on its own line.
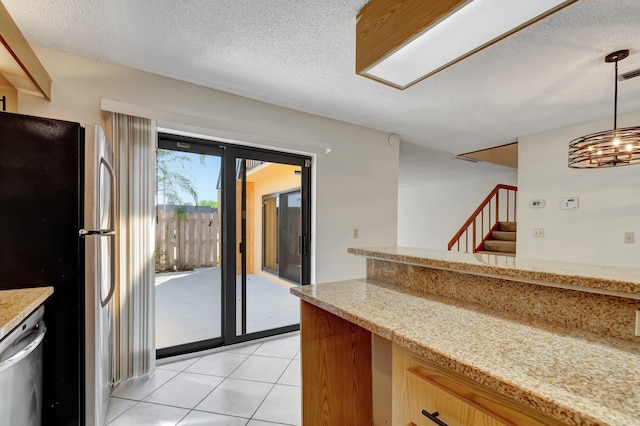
(336,370)
(419,384)
(351,377)
(424,396)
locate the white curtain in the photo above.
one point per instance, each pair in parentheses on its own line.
(135,143)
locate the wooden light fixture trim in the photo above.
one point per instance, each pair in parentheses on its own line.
(18,47)
(383,26)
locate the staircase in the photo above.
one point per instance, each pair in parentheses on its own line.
(491,228)
(501,241)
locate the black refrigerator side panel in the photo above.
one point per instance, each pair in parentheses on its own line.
(40,165)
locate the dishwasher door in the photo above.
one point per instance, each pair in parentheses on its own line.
(21,373)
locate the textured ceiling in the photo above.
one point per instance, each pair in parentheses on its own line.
(301,54)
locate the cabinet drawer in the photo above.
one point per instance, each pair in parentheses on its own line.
(425,395)
(420,384)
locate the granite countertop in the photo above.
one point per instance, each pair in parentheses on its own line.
(619,281)
(16,305)
(574,376)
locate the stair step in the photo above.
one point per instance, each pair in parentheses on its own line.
(503,235)
(507,226)
(496,253)
(501,246)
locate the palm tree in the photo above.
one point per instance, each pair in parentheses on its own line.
(173,178)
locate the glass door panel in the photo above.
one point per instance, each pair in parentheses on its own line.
(290,236)
(187,257)
(268,232)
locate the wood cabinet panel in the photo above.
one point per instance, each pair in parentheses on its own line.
(424,395)
(421,384)
(336,370)
(383,26)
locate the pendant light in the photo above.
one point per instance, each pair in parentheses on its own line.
(616,147)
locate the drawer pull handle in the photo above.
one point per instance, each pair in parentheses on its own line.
(434,417)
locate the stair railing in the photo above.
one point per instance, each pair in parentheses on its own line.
(498,206)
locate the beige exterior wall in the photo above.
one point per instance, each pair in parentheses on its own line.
(269,179)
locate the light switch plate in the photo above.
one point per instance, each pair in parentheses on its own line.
(355,233)
(629,238)
(569,203)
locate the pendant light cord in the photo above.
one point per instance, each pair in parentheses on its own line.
(615,102)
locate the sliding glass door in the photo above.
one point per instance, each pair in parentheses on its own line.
(246,242)
(188,257)
(268,261)
(281,237)
(290,237)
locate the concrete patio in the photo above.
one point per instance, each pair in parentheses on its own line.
(188,307)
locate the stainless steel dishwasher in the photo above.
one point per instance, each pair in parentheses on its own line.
(21,373)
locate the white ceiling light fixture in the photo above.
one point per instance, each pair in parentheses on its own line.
(402,42)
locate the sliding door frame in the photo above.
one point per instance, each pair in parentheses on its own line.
(229,153)
(232,154)
(197,146)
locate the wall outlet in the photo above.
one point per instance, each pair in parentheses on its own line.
(629,238)
(538,232)
(355,233)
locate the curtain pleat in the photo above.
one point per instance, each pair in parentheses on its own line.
(133,324)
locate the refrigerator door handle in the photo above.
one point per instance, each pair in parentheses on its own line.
(112,187)
(112,285)
(111,232)
(96,232)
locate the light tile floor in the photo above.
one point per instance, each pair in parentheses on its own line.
(256,384)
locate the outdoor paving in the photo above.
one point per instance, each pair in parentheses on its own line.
(188,306)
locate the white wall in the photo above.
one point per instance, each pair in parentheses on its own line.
(430,215)
(354,186)
(609,200)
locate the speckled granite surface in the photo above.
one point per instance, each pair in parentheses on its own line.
(574,376)
(16,305)
(609,315)
(603,279)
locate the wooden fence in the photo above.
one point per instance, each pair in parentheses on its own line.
(186,239)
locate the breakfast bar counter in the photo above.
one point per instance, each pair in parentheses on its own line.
(564,350)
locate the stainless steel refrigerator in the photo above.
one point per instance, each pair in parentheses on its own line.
(58,218)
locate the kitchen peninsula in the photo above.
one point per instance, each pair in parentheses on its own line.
(471,339)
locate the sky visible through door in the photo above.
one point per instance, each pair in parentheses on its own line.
(198,170)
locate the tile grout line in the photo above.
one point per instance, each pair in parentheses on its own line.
(262,402)
(272,388)
(228,376)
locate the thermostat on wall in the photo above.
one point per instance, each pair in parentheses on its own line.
(569,203)
(537,204)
